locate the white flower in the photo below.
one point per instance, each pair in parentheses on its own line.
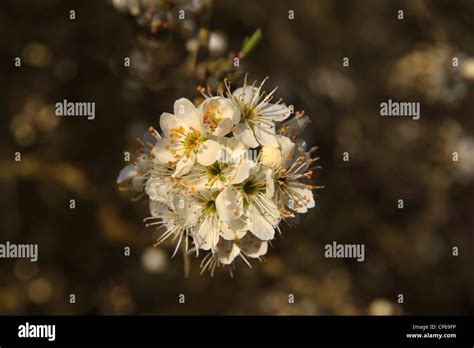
(251,198)
(159,189)
(135,175)
(209,228)
(219,115)
(227,251)
(291,191)
(231,162)
(161,184)
(257,116)
(130,173)
(294,126)
(175,217)
(185,140)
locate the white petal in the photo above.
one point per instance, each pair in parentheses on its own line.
(226,232)
(229,110)
(229,204)
(277,112)
(245,135)
(224,127)
(294,126)
(259,226)
(204,236)
(252,246)
(227,251)
(305,199)
(270,187)
(191,122)
(156,208)
(233,229)
(157,189)
(230,143)
(236,116)
(287,149)
(126,174)
(186,208)
(195,180)
(234,151)
(162,151)
(167,122)
(184,165)
(184,106)
(246,94)
(243,171)
(209,152)
(187,114)
(239,226)
(266,136)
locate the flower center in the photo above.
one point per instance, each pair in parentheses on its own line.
(191,142)
(216,172)
(210,208)
(282,181)
(249,113)
(212,117)
(208,203)
(251,188)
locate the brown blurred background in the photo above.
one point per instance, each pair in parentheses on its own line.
(81,251)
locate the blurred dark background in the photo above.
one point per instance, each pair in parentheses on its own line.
(81,251)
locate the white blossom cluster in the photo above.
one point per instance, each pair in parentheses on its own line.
(220,177)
